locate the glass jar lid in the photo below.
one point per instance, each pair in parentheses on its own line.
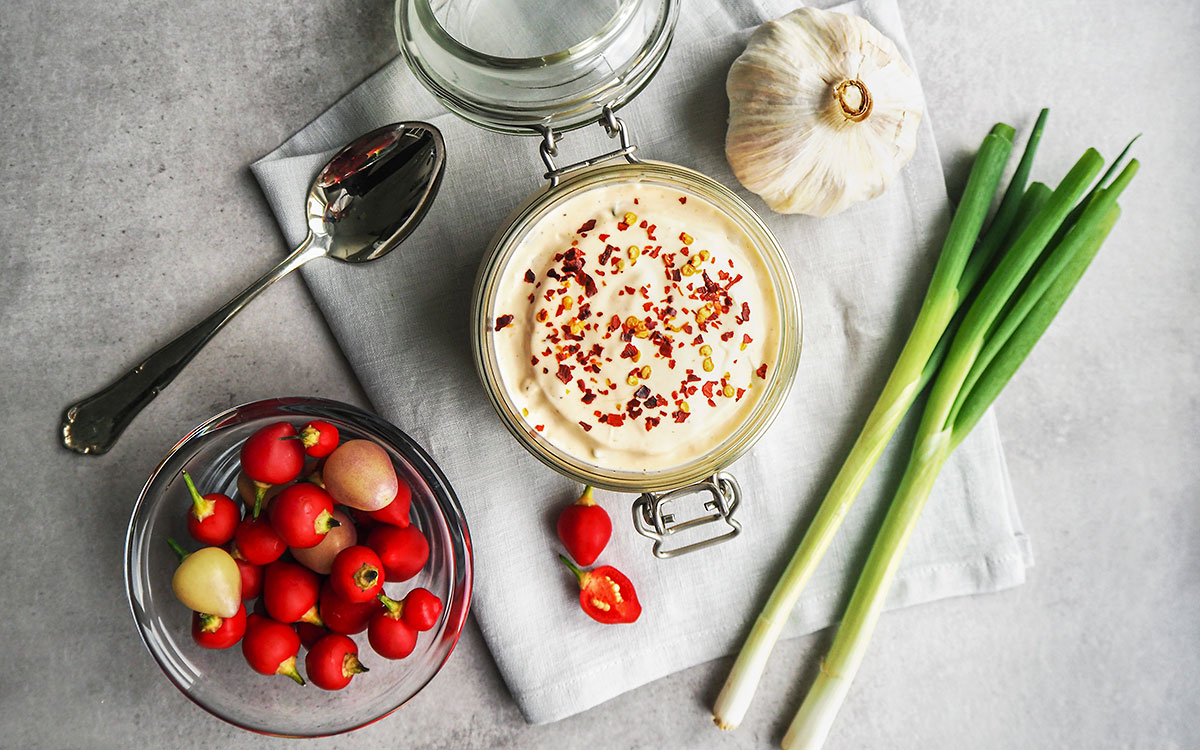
(522,66)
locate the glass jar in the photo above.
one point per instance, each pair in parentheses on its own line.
(519,65)
(607,52)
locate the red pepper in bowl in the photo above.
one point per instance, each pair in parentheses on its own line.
(605,594)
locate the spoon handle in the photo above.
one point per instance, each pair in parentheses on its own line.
(94,424)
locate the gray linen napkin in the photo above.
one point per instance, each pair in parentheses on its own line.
(403,325)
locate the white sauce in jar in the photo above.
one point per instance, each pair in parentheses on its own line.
(634,327)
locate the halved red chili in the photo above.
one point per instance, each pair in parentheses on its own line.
(605,594)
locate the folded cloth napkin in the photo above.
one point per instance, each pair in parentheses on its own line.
(403,324)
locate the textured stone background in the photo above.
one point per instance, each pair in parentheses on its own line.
(128,213)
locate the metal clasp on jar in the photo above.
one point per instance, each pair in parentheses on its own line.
(613,125)
(654,520)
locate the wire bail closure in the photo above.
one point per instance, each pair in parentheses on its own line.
(653,521)
(613,125)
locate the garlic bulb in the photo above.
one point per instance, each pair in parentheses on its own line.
(823,112)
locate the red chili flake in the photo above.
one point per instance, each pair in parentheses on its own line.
(529,275)
(651,423)
(589,285)
(616,420)
(664,349)
(671,364)
(564,373)
(540,427)
(622,226)
(652,402)
(650,232)
(745,312)
(746,338)
(676,275)
(692,377)
(614,323)
(629,290)
(698,340)
(604,256)
(762,371)
(504,321)
(635,201)
(727,335)
(691,390)
(642,224)
(681,416)
(630,351)
(586,427)
(683,199)
(602,237)
(531,296)
(545,371)
(740,392)
(533,360)
(588,226)
(642,392)
(588,397)
(707,390)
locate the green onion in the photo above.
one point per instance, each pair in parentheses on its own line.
(901,389)
(993,340)
(982,314)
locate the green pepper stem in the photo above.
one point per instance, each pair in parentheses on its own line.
(580,574)
(201,508)
(260,491)
(288,667)
(586,497)
(394,608)
(178,549)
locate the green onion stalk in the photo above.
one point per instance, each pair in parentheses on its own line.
(982,314)
(907,379)
(984,355)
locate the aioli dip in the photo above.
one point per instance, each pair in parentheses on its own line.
(634,327)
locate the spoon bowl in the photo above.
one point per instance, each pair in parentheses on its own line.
(373,193)
(363,203)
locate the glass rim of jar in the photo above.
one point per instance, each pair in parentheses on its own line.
(783,369)
(582,107)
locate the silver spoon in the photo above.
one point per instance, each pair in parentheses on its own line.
(363,203)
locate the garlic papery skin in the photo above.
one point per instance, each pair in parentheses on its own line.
(823,112)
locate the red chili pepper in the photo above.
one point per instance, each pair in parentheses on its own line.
(585,528)
(605,594)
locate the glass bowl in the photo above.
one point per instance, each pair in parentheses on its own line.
(220,681)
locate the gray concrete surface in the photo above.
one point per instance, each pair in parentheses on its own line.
(125,128)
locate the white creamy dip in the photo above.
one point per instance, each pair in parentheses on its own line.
(634,327)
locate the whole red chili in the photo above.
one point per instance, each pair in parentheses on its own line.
(332,662)
(605,594)
(291,593)
(210,631)
(270,456)
(584,528)
(357,574)
(212,518)
(271,647)
(319,438)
